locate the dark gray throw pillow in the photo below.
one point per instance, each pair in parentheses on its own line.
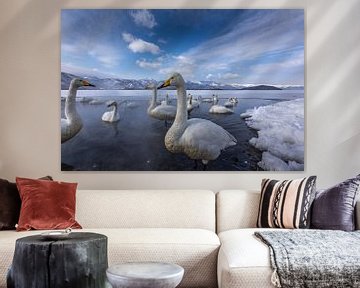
(9,205)
(334,208)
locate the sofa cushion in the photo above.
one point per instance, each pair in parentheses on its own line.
(244,260)
(286,204)
(153,209)
(334,208)
(46,204)
(196,250)
(236,209)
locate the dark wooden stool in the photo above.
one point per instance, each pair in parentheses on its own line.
(79,261)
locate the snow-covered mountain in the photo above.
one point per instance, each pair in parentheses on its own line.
(133,84)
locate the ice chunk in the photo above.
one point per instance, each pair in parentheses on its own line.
(280,132)
(273,163)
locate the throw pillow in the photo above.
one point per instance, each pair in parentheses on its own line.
(46,204)
(286,204)
(334,208)
(10,204)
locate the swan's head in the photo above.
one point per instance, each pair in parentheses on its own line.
(175,80)
(81,82)
(112,103)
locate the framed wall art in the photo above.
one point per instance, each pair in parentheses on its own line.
(182,89)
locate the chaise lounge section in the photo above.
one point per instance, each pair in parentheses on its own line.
(244,260)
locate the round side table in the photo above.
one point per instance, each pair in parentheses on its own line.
(80,261)
(145,275)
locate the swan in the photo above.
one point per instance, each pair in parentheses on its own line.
(229,104)
(232,101)
(219,109)
(72,124)
(198,138)
(96,102)
(207,100)
(113,115)
(166,101)
(160,112)
(191,104)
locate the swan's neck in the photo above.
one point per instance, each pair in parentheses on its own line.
(70,105)
(181,112)
(153,100)
(178,127)
(114,110)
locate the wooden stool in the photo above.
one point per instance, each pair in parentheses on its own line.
(78,261)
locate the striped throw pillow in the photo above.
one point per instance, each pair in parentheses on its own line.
(286,204)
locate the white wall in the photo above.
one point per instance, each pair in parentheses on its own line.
(30,85)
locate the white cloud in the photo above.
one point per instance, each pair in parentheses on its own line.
(251,40)
(138,45)
(69,48)
(128,37)
(83,71)
(229,75)
(181,64)
(106,55)
(143,18)
(148,64)
(294,61)
(209,76)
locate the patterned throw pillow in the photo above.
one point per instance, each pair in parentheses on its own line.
(286,204)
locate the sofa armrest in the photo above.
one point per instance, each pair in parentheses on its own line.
(357,215)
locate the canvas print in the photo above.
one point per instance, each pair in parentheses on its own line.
(182,90)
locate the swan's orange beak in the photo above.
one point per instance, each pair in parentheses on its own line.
(87,83)
(165,84)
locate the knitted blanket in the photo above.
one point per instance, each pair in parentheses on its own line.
(313,258)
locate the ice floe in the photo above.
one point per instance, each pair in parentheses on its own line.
(280,134)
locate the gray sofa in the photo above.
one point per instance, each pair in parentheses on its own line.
(210,235)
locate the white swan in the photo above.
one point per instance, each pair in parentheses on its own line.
(96,102)
(198,138)
(113,115)
(219,109)
(232,101)
(166,101)
(207,100)
(160,112)
(191,104)
(72,124)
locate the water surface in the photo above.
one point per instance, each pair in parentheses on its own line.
(136,142)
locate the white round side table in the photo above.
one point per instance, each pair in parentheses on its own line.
(145,275)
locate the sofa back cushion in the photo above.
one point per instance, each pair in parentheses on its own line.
(146,209)
(236,209)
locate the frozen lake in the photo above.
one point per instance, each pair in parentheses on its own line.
(136,142)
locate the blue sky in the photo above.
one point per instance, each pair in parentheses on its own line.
(229,46)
